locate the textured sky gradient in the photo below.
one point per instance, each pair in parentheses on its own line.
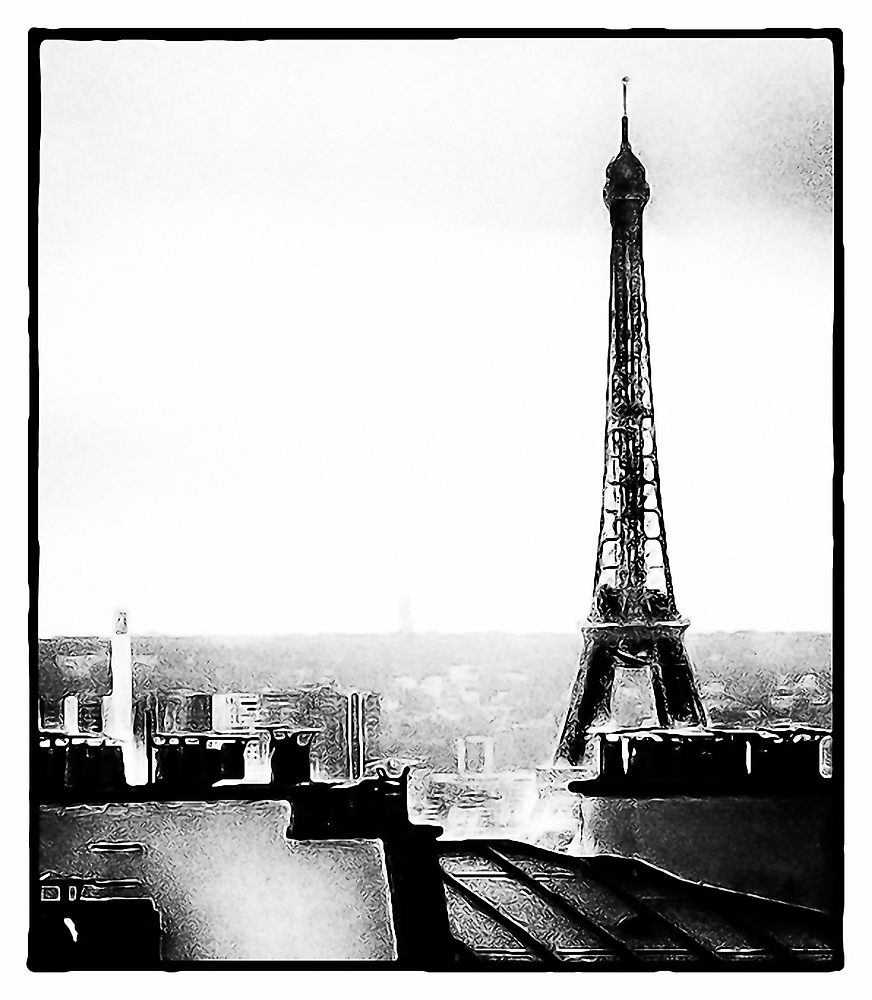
(323,325)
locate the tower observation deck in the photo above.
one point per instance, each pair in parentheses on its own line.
(634,622)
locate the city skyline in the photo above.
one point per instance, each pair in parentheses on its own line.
(315,346)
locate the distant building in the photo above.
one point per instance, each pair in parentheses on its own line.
(199,713)
(72,666)
(236,712)
(349,726)
(475,754)
(91,714)
(169,709)
(183,712)
(283,708)
(810,690)
(348,723)
(714,689)
(51,714)
(406,616)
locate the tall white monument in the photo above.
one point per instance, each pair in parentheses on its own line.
(119,704)
(119,713)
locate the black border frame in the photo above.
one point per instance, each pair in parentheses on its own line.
(36,36)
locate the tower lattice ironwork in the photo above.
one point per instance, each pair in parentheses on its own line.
(634,622)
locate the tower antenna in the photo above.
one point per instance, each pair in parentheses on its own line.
(625,81)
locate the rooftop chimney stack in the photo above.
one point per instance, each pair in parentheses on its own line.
(119,714)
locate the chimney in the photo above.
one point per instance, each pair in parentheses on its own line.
(119,718)
(119,708)
(355,737)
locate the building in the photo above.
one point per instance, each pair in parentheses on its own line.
(51,714)
(183,711)
(199,712)
(347,723)
(236,712)
(90,714)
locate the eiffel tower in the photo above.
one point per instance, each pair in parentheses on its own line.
(634,622)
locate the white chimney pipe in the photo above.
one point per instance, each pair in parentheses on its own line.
(119,721)
(119,717)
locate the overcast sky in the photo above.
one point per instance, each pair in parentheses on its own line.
(323,327)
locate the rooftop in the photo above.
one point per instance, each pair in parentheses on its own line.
(511,904)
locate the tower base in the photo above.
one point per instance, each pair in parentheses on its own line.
(655,648)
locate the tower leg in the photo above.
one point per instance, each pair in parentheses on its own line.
(660,702)
(591,699)
(683,704)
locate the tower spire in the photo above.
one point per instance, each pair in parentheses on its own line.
(633,623)
(625,122)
